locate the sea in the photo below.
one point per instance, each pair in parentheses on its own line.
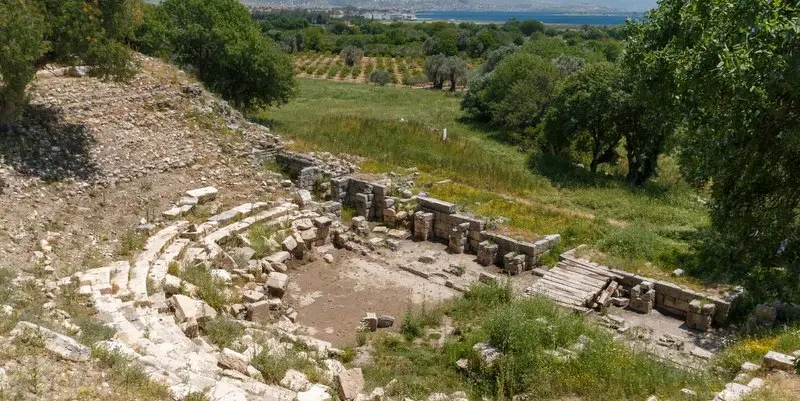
(547,18)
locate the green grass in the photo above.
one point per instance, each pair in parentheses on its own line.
(209,289)
(222,331)
(396,128)
(528,332)
(130,377)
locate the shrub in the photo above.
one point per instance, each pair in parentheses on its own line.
(380,77)
(131,242)
(209,289)
(415,323)
(351,55)
(222,331)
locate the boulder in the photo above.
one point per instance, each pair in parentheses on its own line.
(58,344)
(276,284)
(350,383)
(385,321)
(258,312)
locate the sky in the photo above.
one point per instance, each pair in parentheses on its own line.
(633,5)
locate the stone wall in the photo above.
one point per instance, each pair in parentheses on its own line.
(673,299)
(433,219)
(303,169)
(531,250)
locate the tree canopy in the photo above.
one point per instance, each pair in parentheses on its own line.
(732,72)
(223,46)
(70,32)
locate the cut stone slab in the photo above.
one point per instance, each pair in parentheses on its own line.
(776,360)
(58,344)
(258,312)
(185,307)
(371,321)
(276,284)
(350,383)
(203,195)
(278,257)
(303,197)
(289,244)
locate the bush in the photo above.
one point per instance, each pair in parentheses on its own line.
(222,331)
(246,67)
(351,55)
(415,323)
(209,289)
(380,77)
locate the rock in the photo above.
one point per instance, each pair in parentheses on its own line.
(756,383)
(224,391)
(688,393)
(276,284)
(620,302)
(489,354)
(428,259)
(385,321)
(315,393)
(278,257)
(652,398)
(289,244)
(350,383)
(749,367)
(172,285)
(438,397)
(230,359)
(701,353)
(186,308)
(62,346)
(377,394)
(295,381)
(487,278)
(370,321)
(221,275)
(258,312)
(776,360)
(190,328)
(3,380)
(677,273)
(252,296)
(203,195)
(303,197)
(328,258)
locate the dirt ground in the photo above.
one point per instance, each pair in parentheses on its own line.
(331,298)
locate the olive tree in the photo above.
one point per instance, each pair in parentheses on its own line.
(351,55)
(69,32)
(730,71)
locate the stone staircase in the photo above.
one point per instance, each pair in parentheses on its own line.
(130,298)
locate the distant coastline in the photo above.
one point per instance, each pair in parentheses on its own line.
(555,18)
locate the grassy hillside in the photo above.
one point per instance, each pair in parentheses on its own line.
(394,128)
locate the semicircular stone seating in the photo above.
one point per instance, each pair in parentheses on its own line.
(130,297)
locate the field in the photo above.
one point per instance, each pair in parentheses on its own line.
(647,230)
(404,71)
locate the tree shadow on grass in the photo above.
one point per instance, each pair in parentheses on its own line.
(42,144)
